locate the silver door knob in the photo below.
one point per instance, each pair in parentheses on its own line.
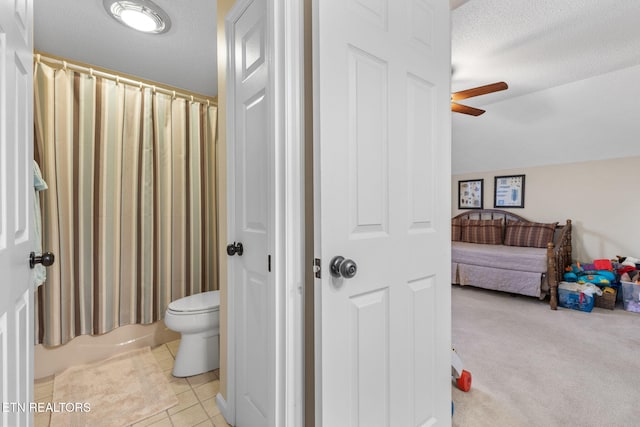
(341,267)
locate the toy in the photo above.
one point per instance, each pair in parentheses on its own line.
(459,376)
(576,273)
(603,264)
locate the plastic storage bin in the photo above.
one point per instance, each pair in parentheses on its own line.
(631,296)
(575,300)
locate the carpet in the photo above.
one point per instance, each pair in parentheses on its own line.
(119,391)
(535,367)
(479,408)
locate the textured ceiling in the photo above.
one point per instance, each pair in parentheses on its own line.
(537,44)
(184,57)
(573,68)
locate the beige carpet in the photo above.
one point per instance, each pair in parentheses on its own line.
(119,391)
(479,408)
(533,367)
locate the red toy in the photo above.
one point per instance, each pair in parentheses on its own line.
(459,376)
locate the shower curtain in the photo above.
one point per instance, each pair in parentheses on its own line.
(130,212)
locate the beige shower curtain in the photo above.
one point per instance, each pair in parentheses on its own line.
(130,212)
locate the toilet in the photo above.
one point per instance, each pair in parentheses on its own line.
(197,318)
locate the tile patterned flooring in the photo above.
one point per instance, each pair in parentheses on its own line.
(196,396)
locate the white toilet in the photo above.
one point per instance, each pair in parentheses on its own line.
(197,318)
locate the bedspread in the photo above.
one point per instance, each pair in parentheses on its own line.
(518,282)
(500,256)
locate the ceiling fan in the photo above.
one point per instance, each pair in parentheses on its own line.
(469,93)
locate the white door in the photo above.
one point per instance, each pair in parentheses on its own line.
(251,214)
(382,166)
(16,190)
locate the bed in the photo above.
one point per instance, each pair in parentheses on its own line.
(499,250)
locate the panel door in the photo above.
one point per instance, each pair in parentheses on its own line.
(382,186)
(16,192)
(251,215)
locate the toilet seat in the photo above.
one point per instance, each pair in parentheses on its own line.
(203,302)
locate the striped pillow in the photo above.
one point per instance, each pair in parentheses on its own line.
(456,229)
(529,234)
(484,231)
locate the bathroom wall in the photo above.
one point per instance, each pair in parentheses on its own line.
(223,8)
(600,197)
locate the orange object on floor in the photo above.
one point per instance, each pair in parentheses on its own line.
(464,381)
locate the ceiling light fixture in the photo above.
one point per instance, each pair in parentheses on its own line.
(141,15)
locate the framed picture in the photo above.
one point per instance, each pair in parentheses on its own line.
(470,194)
(509,191)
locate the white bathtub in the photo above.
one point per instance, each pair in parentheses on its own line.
(87,348)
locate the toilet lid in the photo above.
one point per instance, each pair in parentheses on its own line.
(204,301)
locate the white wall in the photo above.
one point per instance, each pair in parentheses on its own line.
(591,119)
(601,197)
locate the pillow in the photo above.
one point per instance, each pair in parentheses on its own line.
(484,231)
(456,229)
(529,234)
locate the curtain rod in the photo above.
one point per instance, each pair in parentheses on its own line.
(39,57)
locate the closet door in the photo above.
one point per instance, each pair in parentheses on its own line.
(16,198)
(251,163)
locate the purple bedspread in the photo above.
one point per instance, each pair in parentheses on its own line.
(505,268)
(499,256)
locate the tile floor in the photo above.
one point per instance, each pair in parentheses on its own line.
(196,396)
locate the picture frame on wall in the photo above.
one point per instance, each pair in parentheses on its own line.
(508,191)
(470,194)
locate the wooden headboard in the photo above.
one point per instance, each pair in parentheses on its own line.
(506,215)
(490,214)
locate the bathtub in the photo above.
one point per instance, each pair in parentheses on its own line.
(88,348)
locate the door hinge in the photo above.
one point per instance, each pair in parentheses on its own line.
(317,268)
(269,263)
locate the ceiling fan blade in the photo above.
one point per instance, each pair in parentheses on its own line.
(480,90)
(465,109)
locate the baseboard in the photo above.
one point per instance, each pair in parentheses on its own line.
(224,409)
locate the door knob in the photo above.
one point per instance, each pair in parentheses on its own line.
(341,267)
(47,259)
(235,248)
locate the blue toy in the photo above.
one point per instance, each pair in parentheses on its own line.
(575,273)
